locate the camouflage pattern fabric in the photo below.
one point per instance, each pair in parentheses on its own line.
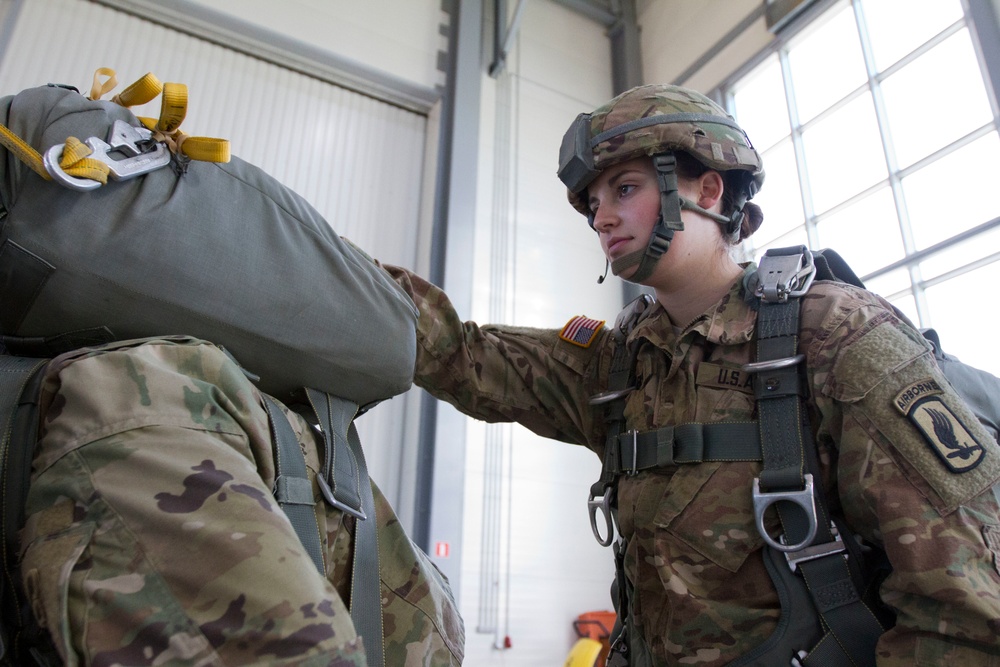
(153,536)
(702,594)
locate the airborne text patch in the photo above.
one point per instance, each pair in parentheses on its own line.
(951,441)
(581,330)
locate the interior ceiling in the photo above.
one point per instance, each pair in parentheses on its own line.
(605,12)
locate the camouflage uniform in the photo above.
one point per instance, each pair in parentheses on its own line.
(153,536)
(702,594)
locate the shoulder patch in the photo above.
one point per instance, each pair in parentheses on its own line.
(581,330)
(947,436)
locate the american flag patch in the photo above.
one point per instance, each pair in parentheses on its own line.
(581,330)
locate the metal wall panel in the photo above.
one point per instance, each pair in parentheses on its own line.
(357,159)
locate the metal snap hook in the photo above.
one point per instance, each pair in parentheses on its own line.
(51,160)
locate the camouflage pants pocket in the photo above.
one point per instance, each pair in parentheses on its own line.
(93,586)
(50,561)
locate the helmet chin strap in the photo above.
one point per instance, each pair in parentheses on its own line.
(663,232)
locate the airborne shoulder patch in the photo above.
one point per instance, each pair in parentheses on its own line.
(581,330)
(957,448)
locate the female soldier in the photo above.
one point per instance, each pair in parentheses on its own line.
(663,175)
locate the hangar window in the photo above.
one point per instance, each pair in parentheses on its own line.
(879,138)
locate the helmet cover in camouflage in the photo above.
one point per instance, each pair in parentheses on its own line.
(653,119)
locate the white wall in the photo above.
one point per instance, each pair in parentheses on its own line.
(398,37)
(558,68)
(676,33)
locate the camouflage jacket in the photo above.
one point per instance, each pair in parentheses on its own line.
(702,594)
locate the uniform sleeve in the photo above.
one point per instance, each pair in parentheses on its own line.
(498,373)
(917,474)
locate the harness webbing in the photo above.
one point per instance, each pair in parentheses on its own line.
(811,541)
(345,474)
(292,488)
(687,443)
(822,563)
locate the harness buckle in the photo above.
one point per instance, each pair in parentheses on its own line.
(815,551)
(634,470)
(783,276)
(803,498)
(774,364)
(331,500)
(608,396)
(604,504)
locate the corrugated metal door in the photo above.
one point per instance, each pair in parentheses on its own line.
(357,159)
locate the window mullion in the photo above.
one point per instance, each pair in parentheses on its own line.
(798,149)
(892,165)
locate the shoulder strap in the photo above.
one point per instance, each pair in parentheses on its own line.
(292,489)
(621,382)
(812,543)
(344,484)
(345,472)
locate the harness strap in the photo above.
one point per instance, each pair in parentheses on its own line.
(341,478)
(292,489)
(687,443)
(336,421)
(778,393)
(811,543)
(621,382)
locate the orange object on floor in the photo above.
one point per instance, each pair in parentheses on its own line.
(597,625)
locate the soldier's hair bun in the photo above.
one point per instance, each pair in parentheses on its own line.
(753,216)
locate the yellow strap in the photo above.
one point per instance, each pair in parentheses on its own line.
(98,89)
(23,151)
(74,159)
(206,149)
(173,107)
(75,162)
(140,92)
(173,110)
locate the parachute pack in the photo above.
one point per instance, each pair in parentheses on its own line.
(218,250)
(115,228)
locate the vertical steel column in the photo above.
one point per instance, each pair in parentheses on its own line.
(441,455)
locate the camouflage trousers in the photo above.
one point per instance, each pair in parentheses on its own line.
(153,536)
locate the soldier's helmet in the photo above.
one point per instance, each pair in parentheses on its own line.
(650,120)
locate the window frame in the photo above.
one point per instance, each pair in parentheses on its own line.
(980,17)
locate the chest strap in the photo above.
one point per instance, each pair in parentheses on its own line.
(687,443)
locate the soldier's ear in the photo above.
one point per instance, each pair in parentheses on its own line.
(710,188)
